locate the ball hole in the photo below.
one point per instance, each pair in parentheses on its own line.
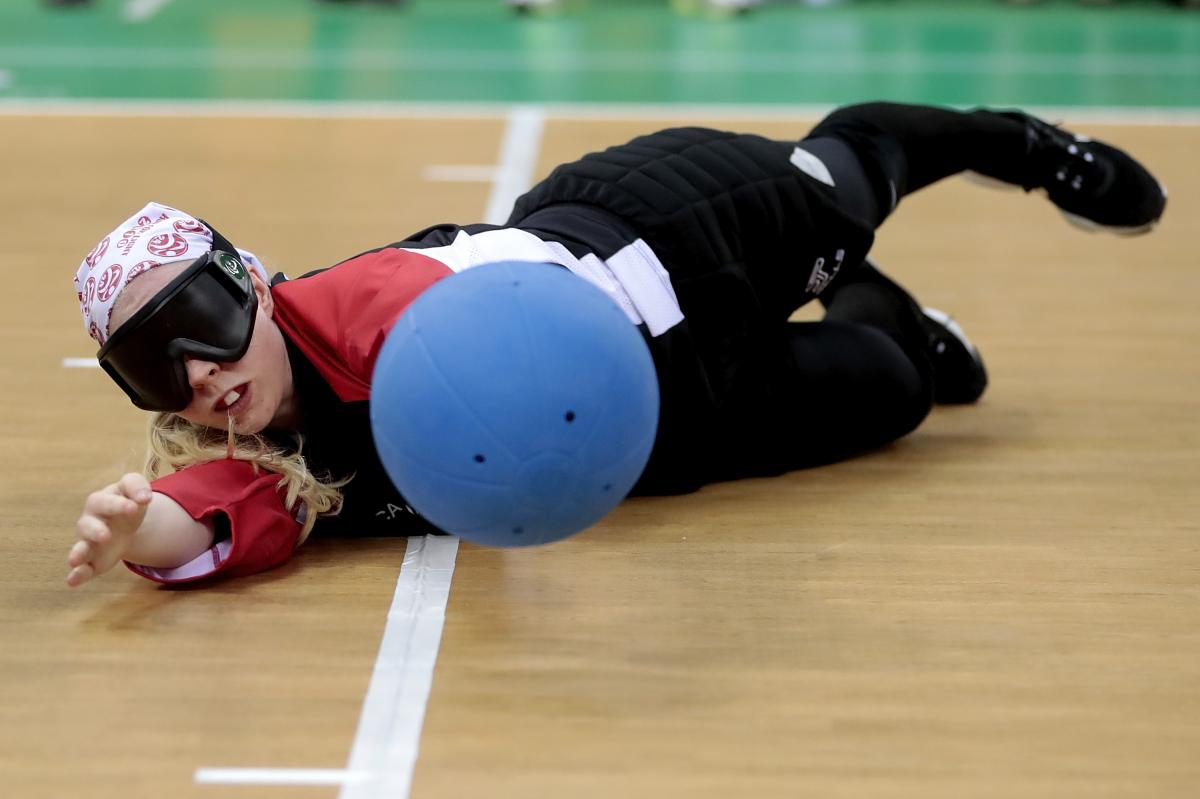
(480,458)
(608,486)
(518,530)
(569,416)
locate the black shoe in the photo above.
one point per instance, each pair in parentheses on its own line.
(1096,186)
(959,376)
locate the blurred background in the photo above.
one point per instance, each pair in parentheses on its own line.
(1057,52)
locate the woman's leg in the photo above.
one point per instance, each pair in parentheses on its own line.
(856,388)
(864,376)
(851,387)
(880,152)
(877,153)
(871,371)
(929,337)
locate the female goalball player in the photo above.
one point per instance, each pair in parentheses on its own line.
(707,240)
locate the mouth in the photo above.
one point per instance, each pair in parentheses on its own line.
(234,401)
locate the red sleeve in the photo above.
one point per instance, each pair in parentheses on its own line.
(262,533)
(340,317)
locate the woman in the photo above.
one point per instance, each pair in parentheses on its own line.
(707,240)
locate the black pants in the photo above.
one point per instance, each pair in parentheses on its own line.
(861,378)
(750,229)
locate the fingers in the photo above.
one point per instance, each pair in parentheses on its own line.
(110,519)
(125,497)
(107,504)
(92,530)
(80,554)
(87,559)
(80,575)
(80,561)
(135,487)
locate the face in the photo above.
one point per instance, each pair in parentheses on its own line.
(257,389)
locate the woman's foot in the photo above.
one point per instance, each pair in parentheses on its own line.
(1095,185)
(959,376)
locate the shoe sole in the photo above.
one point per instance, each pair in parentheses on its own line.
(1081,222)
(1084,223)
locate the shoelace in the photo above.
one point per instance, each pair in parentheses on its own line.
(1067,157)
(1065,174)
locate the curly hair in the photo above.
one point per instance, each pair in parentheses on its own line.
(176,443)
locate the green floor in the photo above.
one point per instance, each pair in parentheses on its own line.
(1143,54)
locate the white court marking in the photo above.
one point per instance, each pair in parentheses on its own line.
(384,754)
(518,158)
(667,113)
(276,776)
(142,10)
(514,174)
(385,748)
(460,173)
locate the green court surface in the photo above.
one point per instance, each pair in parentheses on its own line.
(1133,54)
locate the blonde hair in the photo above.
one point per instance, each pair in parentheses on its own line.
(176,443)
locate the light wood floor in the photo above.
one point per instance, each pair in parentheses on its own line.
(1004,604)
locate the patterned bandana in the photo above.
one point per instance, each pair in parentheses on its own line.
(155,235)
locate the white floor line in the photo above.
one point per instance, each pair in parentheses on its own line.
(276,776)
(389,731)
(142,10)
(460,173)
(80,363)
(518,159)
(645,112)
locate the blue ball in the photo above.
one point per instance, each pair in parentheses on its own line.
(514,404)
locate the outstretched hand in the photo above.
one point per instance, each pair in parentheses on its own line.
(111,517)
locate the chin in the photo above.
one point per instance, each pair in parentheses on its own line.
(251,428)
(254,422)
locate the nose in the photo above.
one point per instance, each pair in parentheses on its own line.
(201,373)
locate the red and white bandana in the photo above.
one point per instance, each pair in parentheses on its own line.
(155,235)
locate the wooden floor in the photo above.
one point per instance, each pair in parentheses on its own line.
(1004,604)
